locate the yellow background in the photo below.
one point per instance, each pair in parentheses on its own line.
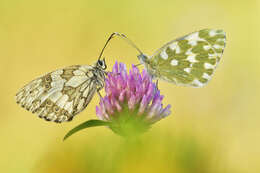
(212,129)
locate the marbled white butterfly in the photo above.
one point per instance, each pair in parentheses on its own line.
(189,61)
(59,95)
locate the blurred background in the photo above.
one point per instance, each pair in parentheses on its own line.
(214,129)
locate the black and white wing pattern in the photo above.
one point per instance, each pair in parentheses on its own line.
(60,95)
(190,60)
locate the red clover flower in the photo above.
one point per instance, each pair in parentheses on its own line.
(131,105)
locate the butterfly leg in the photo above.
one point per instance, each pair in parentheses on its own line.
(99,86)
(99,94)
(137,65)
(111,72)
(157,86)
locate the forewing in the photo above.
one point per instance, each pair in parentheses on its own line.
(60,95)
(190,60)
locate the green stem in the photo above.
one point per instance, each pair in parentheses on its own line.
(87,124)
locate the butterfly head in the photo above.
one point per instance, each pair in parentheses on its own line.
(101,64)
(144,59)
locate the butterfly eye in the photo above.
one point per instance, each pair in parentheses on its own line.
(100,63)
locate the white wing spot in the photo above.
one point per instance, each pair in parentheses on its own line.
(197,83)
(164,55)
(80,105)
(212,55)
(19,95)
(55,76)
(174,62)
(85,68)
(83,86)
(52,116)
(216,46)
(219,54)
(206,47)
(55,96)
(58,83)
(87,90)
(28,102)
(193,39)
(75,81)
(49,93)
(189,52)
(42,112)
(191,58)
(78,73)
(68,107)
(176,47)
(212,33)
(57,72)
(61,102)
(208,66)
(188,70)
(206,76)
(220,40)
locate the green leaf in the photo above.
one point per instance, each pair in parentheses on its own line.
(87,124)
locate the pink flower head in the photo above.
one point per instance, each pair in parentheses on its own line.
(132,102)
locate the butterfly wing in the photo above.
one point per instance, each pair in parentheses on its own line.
(60,95)
(189,60)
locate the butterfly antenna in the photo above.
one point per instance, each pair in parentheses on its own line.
(129,42)
(123,37)
(111,36)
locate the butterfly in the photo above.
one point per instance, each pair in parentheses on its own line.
(60,95)
(187,61)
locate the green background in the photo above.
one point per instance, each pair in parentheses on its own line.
(212,129)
